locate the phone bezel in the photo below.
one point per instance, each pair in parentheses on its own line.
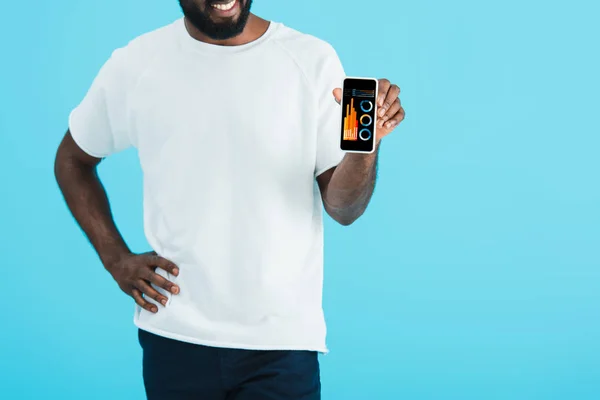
(342,114)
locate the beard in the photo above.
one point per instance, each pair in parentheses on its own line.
(202,20)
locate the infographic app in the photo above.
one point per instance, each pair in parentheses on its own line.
(358,114)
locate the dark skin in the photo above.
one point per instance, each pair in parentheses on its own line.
(346,190)
(77,177)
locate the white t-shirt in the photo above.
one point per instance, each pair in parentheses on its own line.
(230,140)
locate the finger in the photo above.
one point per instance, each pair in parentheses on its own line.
(396,119)
(163,263)
(394,108)
(163,283)
(391,96)
(137,296)
(384,86)
(337,94)
(149,291)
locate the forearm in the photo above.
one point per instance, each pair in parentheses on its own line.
(351,186)
(87,200)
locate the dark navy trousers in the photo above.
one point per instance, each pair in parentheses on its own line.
(175,370)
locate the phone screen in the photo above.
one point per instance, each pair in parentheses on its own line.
(358,115)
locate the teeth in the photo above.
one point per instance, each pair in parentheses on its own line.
(226,6)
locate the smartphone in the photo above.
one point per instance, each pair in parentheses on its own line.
(359,111)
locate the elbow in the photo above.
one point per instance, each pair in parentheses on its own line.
(345,215)
(345,219)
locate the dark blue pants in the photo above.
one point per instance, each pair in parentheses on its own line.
(175,370)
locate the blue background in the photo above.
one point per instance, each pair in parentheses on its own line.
(480,278)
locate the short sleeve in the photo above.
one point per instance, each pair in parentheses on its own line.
(331,76)
(99,123)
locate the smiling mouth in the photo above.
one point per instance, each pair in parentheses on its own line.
(225,6)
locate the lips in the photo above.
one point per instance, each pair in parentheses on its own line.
(224,5)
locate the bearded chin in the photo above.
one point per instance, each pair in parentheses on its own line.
(216,31)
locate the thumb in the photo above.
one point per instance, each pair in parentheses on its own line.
(337,94)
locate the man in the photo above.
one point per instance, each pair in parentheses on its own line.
(237,129)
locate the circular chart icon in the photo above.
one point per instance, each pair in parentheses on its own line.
(366,120)
(364,134)
(366,106)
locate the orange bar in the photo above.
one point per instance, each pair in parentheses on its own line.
(353,112)
(351,117)
(354,124)
(347,121)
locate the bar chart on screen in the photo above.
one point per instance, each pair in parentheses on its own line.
(350,122)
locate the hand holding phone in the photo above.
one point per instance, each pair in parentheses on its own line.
(359,111)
